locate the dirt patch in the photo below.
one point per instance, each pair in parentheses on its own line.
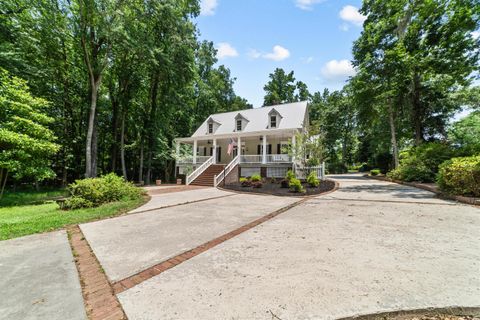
(276,189)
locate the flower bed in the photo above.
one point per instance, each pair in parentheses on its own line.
(275,188)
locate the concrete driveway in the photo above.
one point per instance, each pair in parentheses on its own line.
(369,247)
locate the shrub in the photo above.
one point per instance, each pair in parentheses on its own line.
(364,167)
(312,180)
(296,185)
(256,177)
(290,175)
(285,183)
(77,203)
(375,172)
(460,176)
(273,180)
(257,184)
(243,180)
(96,191)
(421,163)
(337,167)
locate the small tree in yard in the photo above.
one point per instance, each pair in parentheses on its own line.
(26,143)
(309,148)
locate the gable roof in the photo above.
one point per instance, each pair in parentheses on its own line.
(293,117)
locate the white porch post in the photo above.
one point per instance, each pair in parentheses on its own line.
(293,147)
(177,154)
(194,151)
(264,156)
(214,153)
(239,146)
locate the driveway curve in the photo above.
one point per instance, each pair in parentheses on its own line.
(369,247)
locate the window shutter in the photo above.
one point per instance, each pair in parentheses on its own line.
(211,151)
(204,151)
(258,149)
(279,148)
(269,149)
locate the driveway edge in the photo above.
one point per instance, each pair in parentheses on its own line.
(418,313)
(443,195)
(98,295)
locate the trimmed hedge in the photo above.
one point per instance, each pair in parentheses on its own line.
(93,192)
(460,176)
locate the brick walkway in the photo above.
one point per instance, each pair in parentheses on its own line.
(99,298)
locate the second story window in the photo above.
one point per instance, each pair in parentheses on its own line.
(273,121)
(239,125)
(210,127)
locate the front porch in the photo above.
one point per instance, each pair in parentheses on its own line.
(252,150)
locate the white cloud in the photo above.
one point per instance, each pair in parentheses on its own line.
(207,7)
(336,70)
(306,4)
(254,54)
(225,50)
(350,14)
(279,53)
(476,34)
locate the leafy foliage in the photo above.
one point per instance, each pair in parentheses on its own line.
(290,175)
(26,142)
(255,178)
(461,176)
(465,134)
(296,185)
(92,192)
(312,180)
(375,172)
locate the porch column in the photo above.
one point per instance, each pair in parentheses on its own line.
(264,157)
(177,154)
(194,151)
(239,146)
(214,153)
(293,147)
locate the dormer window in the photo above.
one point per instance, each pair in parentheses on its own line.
(239,125)
(210,127)
(273,121)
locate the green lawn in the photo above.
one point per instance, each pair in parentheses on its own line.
(18,220)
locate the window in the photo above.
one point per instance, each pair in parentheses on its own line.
(273,121)
(239,125)
(210,127)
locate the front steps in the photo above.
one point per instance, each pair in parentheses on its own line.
(207,176)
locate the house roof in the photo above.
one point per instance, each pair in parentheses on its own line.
(293,117)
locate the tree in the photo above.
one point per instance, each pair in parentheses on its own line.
(280,88)
(465,133)
(25,139)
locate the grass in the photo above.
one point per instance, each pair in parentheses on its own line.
(20,216)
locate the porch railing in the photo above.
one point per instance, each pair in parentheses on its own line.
(194,175)
(278,158)
(189,160)
(221,176)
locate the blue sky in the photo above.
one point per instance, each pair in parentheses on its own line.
(311,37)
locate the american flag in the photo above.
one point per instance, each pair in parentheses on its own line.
(230,146)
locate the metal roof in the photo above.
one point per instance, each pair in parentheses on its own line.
(293,115)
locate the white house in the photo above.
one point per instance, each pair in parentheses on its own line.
(256,139)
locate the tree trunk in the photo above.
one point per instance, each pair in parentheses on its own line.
(391,118)
(114,150)
(3,180)
(417,112)
(140,167)
(122,147)
(89,160)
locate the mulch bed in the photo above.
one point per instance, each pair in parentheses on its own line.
(276,189)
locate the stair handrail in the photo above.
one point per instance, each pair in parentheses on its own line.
(221,176)
(194,175)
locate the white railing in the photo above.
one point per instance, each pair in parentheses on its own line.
(250,158)
(221,176)
(194,175)
(189,160)
(271,158)
(279,158)
(303,172)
